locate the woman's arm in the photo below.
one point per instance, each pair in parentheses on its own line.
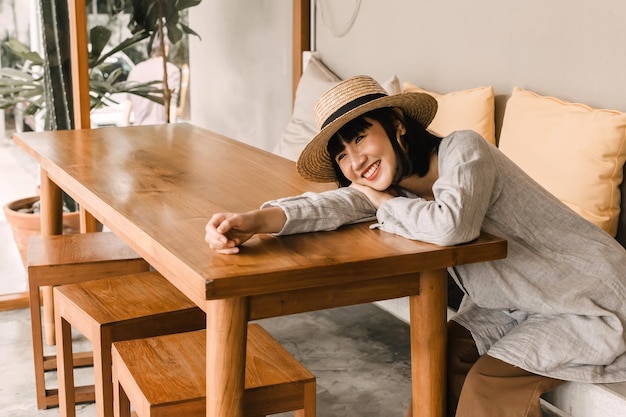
(226,231)
(315,212)
(309,212)
(462,194)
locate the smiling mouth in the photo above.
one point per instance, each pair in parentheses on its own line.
(371,170)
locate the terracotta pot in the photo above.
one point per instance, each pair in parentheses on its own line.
(25,225)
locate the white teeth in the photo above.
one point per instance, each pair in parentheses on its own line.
(371,170)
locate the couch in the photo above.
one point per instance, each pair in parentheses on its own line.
(575,151)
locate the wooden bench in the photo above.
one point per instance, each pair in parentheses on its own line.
(66,259)
(166,376)
(114,309)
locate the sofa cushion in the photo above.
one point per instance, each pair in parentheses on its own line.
(315,81)
(576,152)
(471,109)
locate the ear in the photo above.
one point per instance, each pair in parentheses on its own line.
(399,122)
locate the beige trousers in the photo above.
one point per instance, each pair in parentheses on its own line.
(483,386)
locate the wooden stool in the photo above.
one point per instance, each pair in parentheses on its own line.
(110,310)
(166,377)
(66,259)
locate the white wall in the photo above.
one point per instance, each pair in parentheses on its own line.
(240,70)
(572,49)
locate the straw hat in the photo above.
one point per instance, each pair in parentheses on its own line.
(346,101)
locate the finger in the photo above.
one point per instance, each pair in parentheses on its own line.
(212,233)
(216,219)
(225,226)
(215,239)
(228,251)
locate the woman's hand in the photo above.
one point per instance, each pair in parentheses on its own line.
(376,197)
(226,231)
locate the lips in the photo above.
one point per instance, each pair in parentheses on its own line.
(371,170)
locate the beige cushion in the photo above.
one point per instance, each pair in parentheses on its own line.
(471,109)
(315,81)
(573,150)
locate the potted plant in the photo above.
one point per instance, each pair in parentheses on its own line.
(23,217)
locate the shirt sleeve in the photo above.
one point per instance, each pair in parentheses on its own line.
(462,195)
(312,212)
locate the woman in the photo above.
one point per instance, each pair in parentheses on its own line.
(552,311)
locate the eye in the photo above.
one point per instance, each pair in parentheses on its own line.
(339,157)
(361,135)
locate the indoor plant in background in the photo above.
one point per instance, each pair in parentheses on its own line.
(39,85)
(24,90)
(158,19)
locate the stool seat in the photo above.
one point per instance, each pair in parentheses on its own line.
(66,253)
(115,309)
(166,376)
(65,259)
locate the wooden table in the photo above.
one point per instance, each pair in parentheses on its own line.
(156,187)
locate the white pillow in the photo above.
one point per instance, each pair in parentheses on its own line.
(315,81)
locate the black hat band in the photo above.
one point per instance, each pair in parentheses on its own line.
(357,102)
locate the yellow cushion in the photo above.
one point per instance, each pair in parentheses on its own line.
(576,152)
(462,110)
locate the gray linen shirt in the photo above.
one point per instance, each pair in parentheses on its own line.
(556,306)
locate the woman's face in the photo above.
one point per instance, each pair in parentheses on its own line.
(369,159)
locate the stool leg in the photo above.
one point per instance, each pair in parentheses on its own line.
(309,396)
(65,367)
(37,337)
(103,372)
(121,403)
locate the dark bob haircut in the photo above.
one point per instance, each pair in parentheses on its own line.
(421,144)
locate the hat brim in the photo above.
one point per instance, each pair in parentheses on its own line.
(314,163)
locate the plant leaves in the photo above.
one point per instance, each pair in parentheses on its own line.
(185,4)
(98,37)
(22,51)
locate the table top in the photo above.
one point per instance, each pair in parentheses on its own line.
(157,186)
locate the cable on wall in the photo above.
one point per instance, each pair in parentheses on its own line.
(337,30)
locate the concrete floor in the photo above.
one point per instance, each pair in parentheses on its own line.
(359,354)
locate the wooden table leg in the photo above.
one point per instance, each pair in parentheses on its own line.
(88,223)
(226,333)
(428,345)
(51,224)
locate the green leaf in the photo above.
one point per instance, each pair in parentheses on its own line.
(188,30)
(99,37)
(16,74)
(185,4)
(22,51)
(174,34)
(136,38)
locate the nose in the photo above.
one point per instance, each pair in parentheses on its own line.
(358,160)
